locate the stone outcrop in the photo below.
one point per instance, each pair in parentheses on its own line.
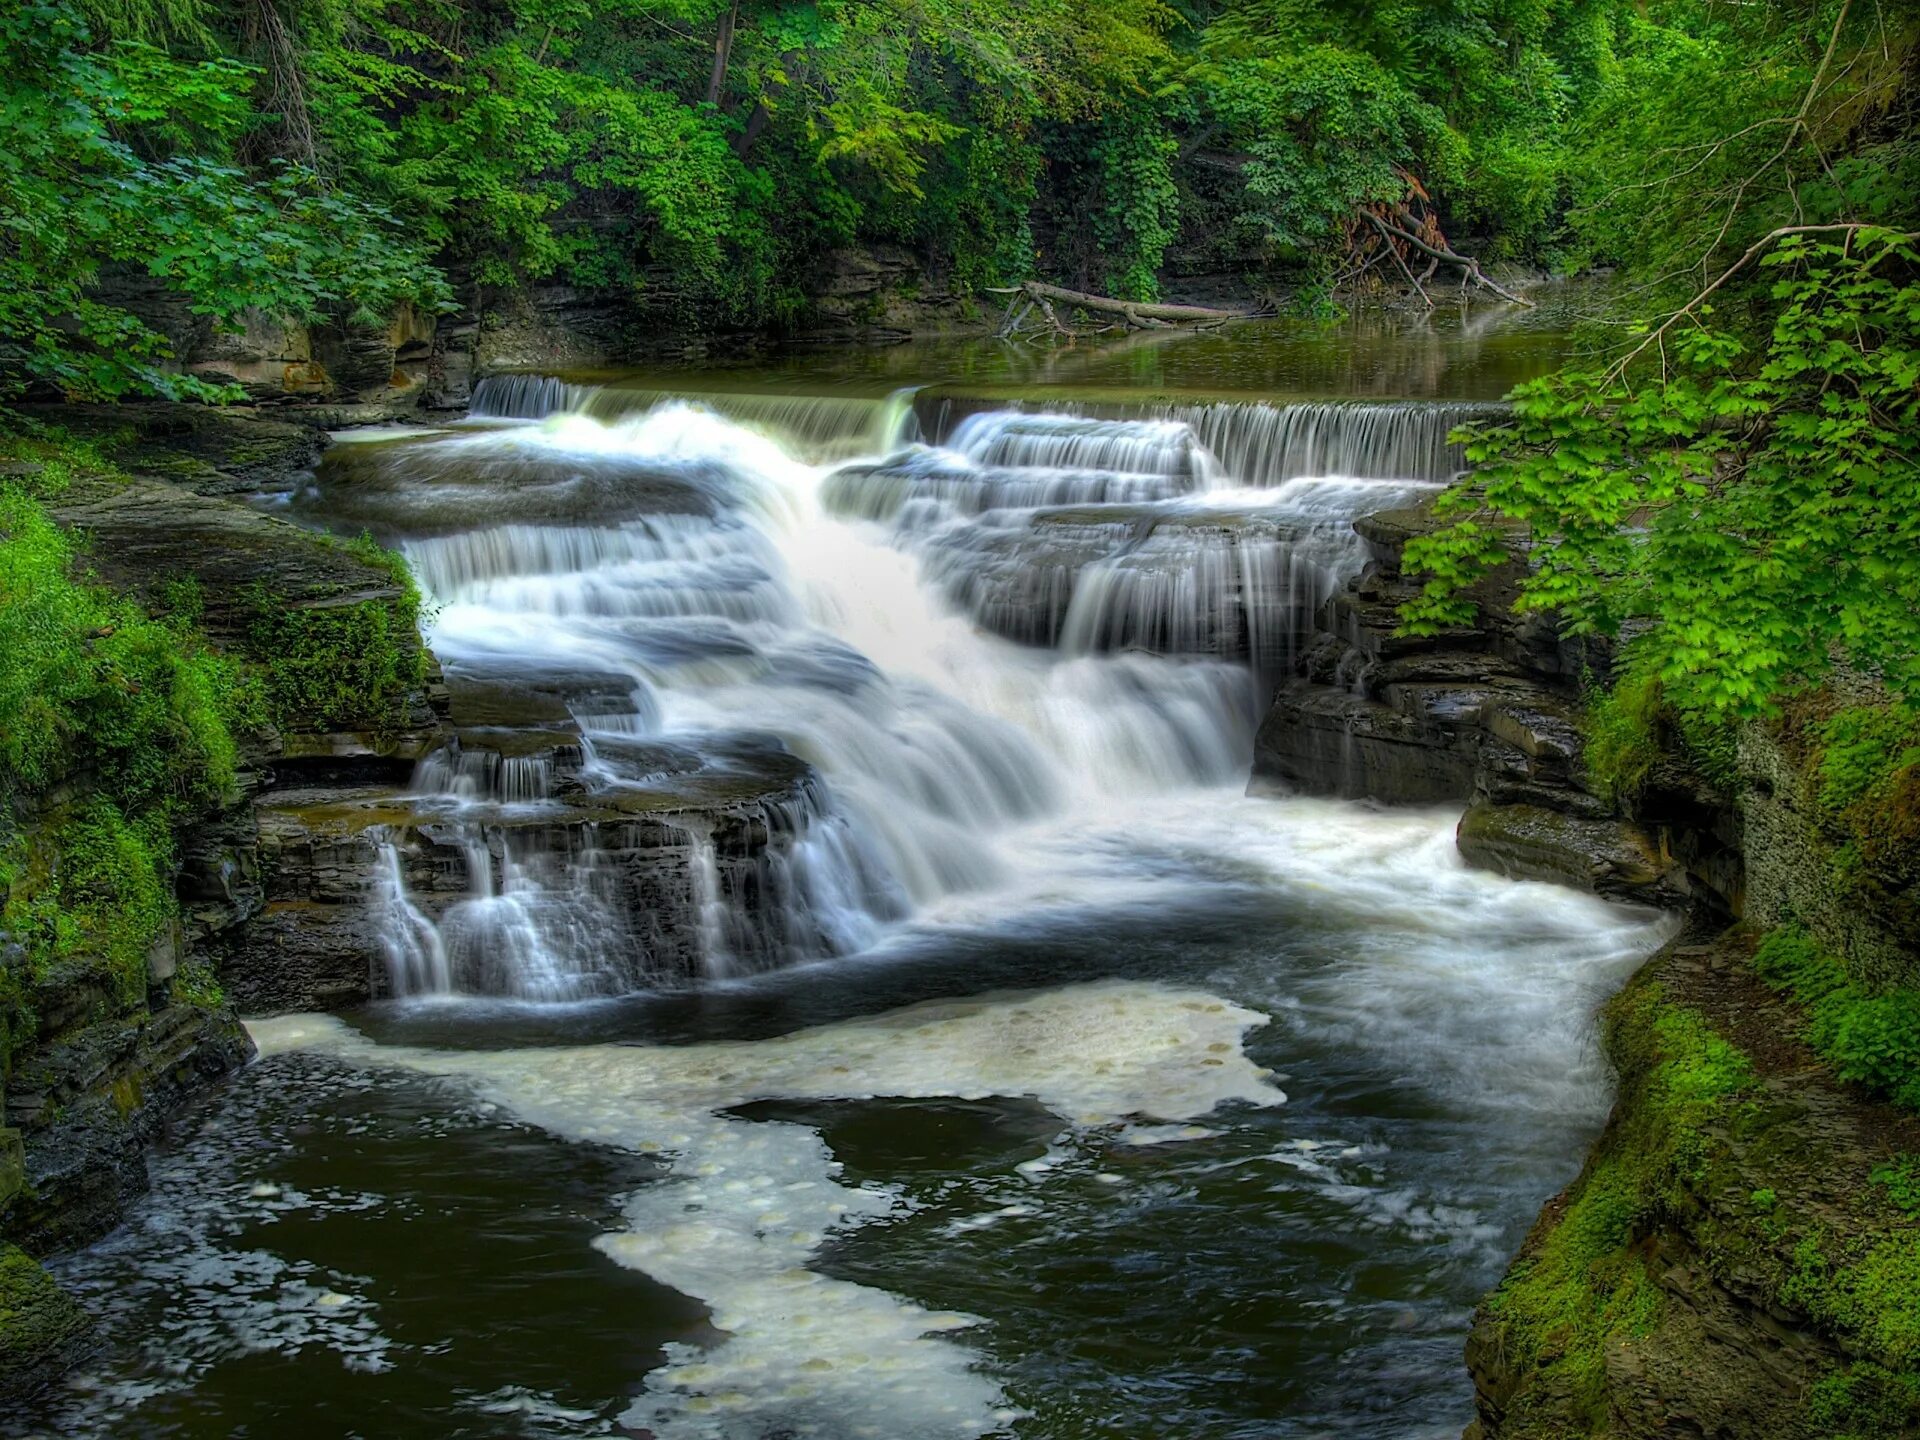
(1485,716)
(96,1074)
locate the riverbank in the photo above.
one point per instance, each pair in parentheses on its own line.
(1738,1255)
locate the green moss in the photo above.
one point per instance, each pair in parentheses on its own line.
(1869,1296)
(1631,728)
(1623,737)
(196,984)
(1866,1402)
(1585,1286)
(1870,1038)
(97,895)
(87,680)
(38,1321)
(341,666)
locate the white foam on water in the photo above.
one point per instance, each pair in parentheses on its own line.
(748,1204)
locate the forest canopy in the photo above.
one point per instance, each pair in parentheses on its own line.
(337,157)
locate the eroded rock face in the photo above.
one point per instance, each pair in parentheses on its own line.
(1482,716)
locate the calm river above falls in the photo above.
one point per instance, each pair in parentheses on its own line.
(1022,1074)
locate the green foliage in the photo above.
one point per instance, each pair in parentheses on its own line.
(99,894)
(1687,151)
(122,157)
(340,157)
(1862,749)
(339,666)
(1743,516)
(1901,1179)
(1870,1296)
(1872,1039)
(1140,216)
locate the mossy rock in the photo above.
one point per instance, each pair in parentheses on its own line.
(1735,1258)
(43,1330)
(13,1167)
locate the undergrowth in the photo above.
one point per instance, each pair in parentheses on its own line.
(1868,1037)
(1630,728)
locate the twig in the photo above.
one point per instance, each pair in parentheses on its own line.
(1849,228)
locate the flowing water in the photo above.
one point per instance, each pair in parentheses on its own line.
(871,1004)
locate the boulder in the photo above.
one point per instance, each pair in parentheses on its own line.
(1610,857)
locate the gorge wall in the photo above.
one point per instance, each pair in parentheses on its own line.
(1737,1255)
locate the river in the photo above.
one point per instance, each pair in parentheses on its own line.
(1010,1069)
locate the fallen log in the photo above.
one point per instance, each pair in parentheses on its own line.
(1131,309)
(1136,314)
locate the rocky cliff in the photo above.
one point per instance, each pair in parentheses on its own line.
(1739,1254)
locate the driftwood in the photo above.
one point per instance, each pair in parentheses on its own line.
(1131,314)
(1468,265)
(1401,228)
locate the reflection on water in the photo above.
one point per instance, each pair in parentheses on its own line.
(1474,353)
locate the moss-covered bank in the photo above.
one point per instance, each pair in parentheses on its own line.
(1741,1254)
(162,647)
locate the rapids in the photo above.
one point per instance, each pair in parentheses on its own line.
(1029,1079)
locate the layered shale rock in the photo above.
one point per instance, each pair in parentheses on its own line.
(1485,716)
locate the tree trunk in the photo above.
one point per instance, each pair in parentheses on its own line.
(722,52)
(1135,310)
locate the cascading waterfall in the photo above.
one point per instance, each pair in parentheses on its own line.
(790,675)
(524,397)
(1259,444)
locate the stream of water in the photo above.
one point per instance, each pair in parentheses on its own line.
(994,1064)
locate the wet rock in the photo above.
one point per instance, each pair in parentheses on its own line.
(211,450)
(1610,857)
(1484,714)
(43,1330)
(434,483)
(90,1100)
(1329,742)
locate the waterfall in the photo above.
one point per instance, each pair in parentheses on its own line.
(1258,444)
(816,428)
(728,701)
(524,397)
(1265,445)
